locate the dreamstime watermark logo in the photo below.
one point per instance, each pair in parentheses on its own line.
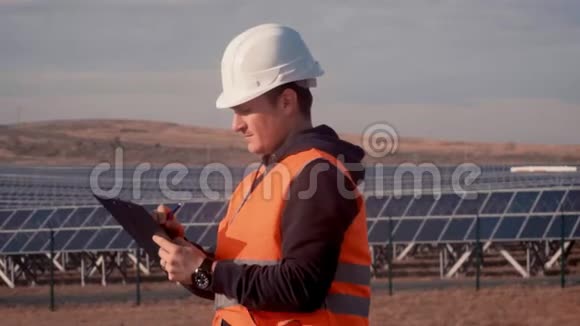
(215,181)
(380,139)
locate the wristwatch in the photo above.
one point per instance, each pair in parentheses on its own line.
(201,277)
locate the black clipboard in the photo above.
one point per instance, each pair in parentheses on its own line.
(141,226)
(136,220)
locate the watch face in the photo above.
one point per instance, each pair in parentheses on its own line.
(201,280)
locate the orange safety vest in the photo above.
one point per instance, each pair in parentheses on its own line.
(250,234)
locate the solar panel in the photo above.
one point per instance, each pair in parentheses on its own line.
(210,237)
(486,227)
(80,240)
(99,217)
(432,229)
(421,206)
(4,238)
(523,201)
(60,239)
(38,241)
(571,202)
(446,205)
(57,218)
(122,241)
(187,212)
(471,206)
(535,227)
(369,226)
(549,201)
(111,222)
(78,217)
(509,227)
(397,206)
(17,242)
(407,230)
(37,219)
(380,232)
(102,239)
(374,205)
(194,232)
(457,229)
(17,219)
(497,203)
(555,230)
(4,215)
(576,234)
(209,212)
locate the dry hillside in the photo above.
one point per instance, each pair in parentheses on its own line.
(86,142)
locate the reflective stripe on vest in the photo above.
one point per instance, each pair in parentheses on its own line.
(335,302)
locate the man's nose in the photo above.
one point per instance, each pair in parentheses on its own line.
(237,123)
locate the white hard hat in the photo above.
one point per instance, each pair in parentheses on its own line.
(262,58)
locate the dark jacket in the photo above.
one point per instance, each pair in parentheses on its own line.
(312,232)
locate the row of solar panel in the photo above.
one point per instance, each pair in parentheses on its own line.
(75,240)
(429,230)
(498,203)
(93,216)
(460,229)
(548,201)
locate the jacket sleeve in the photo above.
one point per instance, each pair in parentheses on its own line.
(312,231)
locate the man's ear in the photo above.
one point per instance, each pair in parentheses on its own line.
(288,102)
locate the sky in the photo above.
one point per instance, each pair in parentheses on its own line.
(505,71)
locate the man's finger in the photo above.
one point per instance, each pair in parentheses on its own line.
(163,254)
(162,264)
(160,218)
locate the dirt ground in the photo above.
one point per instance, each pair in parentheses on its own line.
(512,306)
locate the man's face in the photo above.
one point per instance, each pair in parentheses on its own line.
(262,124)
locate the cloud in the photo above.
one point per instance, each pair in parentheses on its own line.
(452,56)
(129,83)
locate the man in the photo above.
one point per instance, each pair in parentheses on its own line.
(292,247)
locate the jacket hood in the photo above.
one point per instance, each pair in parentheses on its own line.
(325,139)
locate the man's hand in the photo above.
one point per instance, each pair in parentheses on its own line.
(164,217)
(179,258)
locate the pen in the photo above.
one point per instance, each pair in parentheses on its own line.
(178,207)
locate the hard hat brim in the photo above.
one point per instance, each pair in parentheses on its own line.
(228,100)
